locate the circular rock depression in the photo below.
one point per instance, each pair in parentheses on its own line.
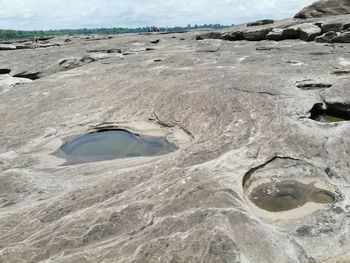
(288,195)
(285,188)
(113,144)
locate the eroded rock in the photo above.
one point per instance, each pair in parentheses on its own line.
(343,37)
(275,34)
(256,34)
(233,36)
(327,37)
(210,35)
(335,27)
(325,8)
(308,31)
(70,63)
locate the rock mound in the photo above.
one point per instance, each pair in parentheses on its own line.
(324,8)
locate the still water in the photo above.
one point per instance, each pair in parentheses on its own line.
(113,144)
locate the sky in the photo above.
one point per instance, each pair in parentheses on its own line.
(59,14)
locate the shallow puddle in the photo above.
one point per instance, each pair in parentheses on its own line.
(113,144)
(288,195)
(336,112)
(324,118)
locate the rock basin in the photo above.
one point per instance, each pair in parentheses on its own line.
(113,144)
(288,195)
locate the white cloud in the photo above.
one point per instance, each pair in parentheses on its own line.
(53,14)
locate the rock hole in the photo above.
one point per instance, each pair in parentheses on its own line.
(332,112)
(31,76)
(107,144)
(314,86)
(288,195)
(4,71)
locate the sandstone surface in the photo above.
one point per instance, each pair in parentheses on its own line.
(239,113)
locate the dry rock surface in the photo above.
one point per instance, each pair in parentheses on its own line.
(239,113)
(325,8)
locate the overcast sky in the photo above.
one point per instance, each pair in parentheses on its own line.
(55,14)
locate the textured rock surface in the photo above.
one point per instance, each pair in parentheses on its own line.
(237,110)
(324,8)
(275,34)
(335,27)
(256,35)
(343,37)
(308,31)
(327,37)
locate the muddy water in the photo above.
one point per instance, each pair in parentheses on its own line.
(113,144)
(288,195)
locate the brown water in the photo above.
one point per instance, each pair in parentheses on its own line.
(288,195)
(113,144)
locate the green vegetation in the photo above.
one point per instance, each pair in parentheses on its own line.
(18,34)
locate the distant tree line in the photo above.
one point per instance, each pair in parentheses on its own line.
(18,34)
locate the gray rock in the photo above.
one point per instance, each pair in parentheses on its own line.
(325,8)
(256,35)
(7,47)
(235,114)
(343,37)
(26,46)
(70,63)
(336,27)
(346,26)
(327,37)
(291,32)
(308,31)
(261,22)
(275,34)
(210,35)
(233,36)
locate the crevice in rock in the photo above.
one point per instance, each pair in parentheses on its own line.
(31,76)
(341,72)
(5,71)
(251,171)
(108,51)
(313,86)
(170,124)
(259,92)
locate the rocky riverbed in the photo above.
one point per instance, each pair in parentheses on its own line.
(242,114)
